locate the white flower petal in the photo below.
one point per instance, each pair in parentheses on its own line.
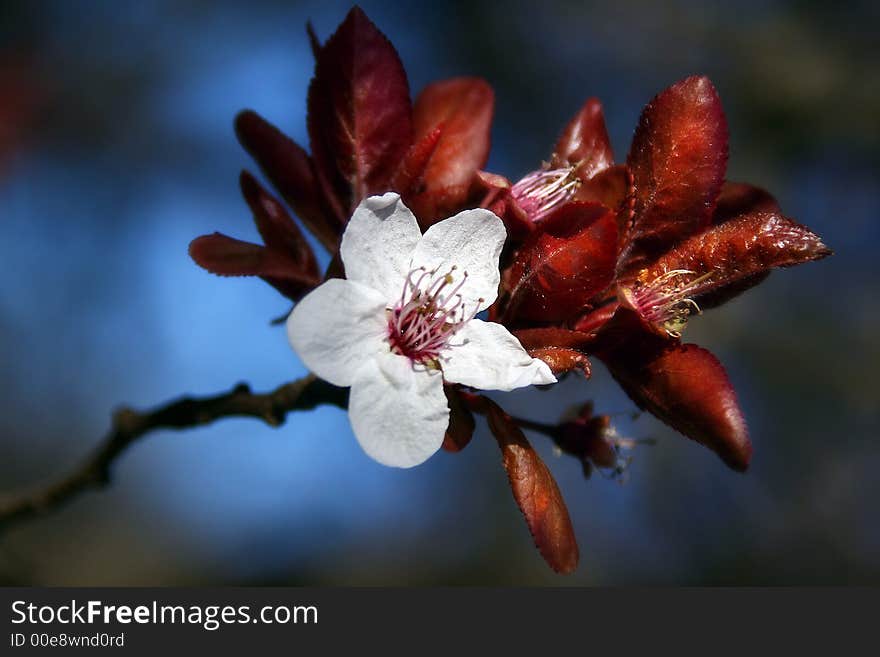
(337,327)
(472,241)
(485,355)
(378,244)
(399,414)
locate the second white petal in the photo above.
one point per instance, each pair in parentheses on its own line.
(471,241)
(378,244)
(398,412)
(336,328)
(487,356)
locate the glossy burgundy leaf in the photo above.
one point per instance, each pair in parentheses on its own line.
(464,108)
(737,199)
(359,111)
(289,168)
(537,338)
(536,493)
(678,158)
(461,423)
(584,142)
(409,178)
(314,41)
(740,250)
(687,388)
(563,264)
(278,229)
(593,321)
(226,256)
(609,187)
(286,261)
(561,360)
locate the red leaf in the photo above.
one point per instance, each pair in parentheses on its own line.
(563,350)
(593,321)
(536,493)
(537,338)
(741,198)
(739,251)
(464,108)
(314,41)
(359,111)
(461,423)
(687,388)
(567,260)
(409,178)
(226,256)
(608,187)
(289,168)
(278,229)
(561,360)
(678,158)
(584,142)
(286,262)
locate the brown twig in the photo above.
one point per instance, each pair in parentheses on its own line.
(183,413)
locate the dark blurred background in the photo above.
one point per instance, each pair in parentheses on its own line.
(116,149)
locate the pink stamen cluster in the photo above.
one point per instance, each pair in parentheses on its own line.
(540,192)
(429,312)
(665,302)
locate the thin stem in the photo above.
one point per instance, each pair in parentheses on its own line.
(183,413)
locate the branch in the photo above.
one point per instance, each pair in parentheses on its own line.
(183,413)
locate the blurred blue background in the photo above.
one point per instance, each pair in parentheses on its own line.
(121,151)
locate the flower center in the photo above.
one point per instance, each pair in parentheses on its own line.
(542,191)
(664,302)
(429,312)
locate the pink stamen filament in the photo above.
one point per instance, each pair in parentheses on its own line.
(664,302)
(427,315)
(542,191)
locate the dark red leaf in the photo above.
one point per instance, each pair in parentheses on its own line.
(608,187)
(536,493)
(464,108)
(461,423)
(314,41)
(687,388)
(584,142)
(226,256)
(409,178)
(567,260)
(740,251)
(278,229)
(537,338)
(593,321)
(287,261)
(561,360)
(741,198)
(289,168)
(678,158)
(359,111)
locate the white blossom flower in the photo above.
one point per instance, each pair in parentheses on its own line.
(404,321)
